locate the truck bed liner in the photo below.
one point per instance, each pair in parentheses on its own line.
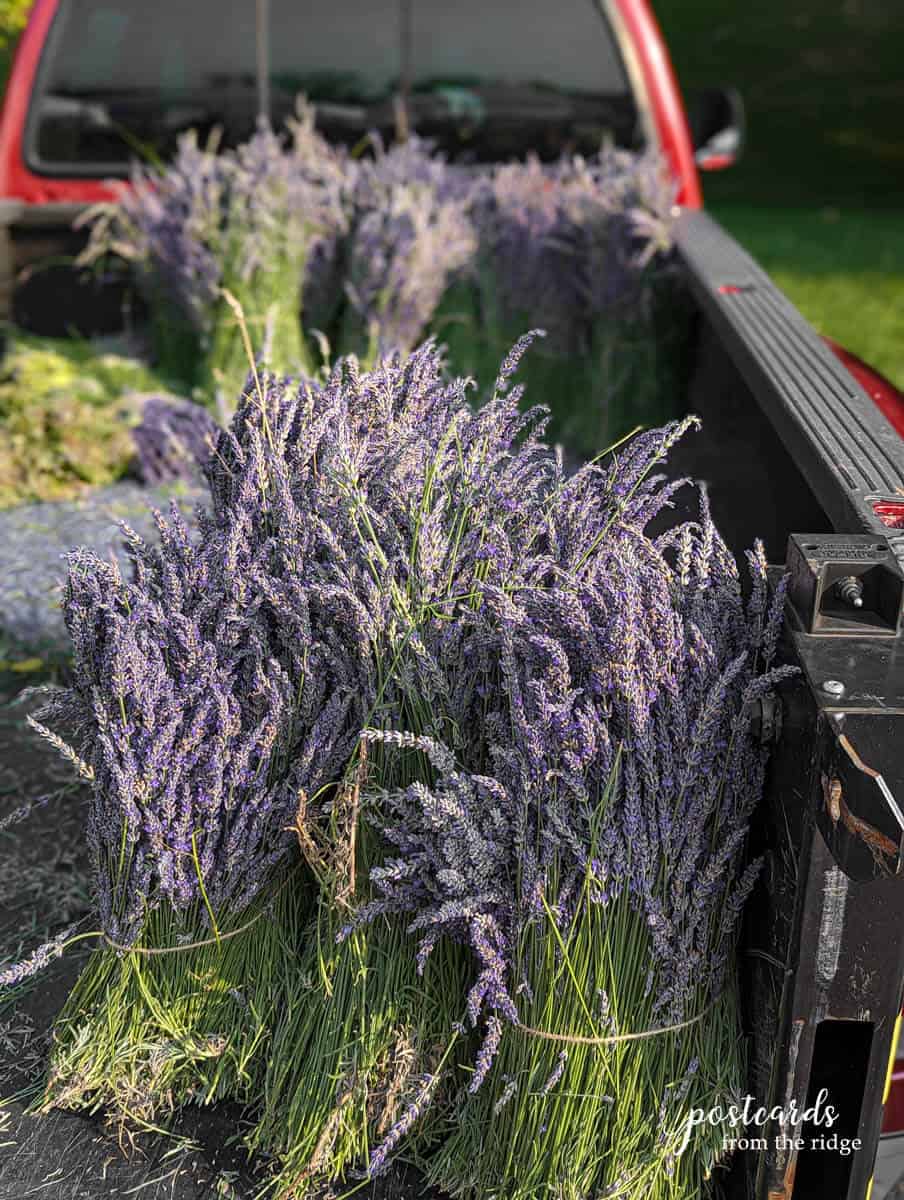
(848,452)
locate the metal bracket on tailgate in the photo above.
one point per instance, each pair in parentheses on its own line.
(850,455)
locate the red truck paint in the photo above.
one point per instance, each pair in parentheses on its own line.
(646,43)
(718,162)
(890,513)
(882,391)
(17,182)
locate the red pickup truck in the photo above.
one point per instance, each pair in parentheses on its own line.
(802,441)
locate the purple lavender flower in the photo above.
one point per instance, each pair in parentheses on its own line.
(18,972)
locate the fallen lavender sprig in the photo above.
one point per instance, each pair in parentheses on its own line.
(40,958)
(378,1158)
(556,1073)
(24,811)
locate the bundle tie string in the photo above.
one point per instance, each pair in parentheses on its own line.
(577,1039)
(212,941)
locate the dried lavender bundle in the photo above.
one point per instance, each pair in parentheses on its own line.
(227,678)
(412,236)
(246,221)
(581,248)
(594,860)
(568,243)
(283,203)
(217,701)
(440,502)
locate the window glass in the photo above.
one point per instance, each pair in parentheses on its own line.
(487,80)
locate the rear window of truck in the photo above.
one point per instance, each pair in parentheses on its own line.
(486,80)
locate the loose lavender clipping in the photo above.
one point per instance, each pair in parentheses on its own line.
(556,1074)
(378,1158)
(36,961)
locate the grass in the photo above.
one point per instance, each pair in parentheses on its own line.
(823,90)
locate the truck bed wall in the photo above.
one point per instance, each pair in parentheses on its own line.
(754,486)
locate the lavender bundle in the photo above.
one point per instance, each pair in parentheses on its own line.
(228,678)
(591,853)
(217,704)
(567,244)
(283,203)
(244,221)
(412,237)
(580,248)
(429,500)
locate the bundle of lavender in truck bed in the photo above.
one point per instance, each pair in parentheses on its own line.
(331,253)
(421,778)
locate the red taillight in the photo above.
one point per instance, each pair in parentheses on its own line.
(890,513)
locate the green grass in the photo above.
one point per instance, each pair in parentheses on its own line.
(824,91)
